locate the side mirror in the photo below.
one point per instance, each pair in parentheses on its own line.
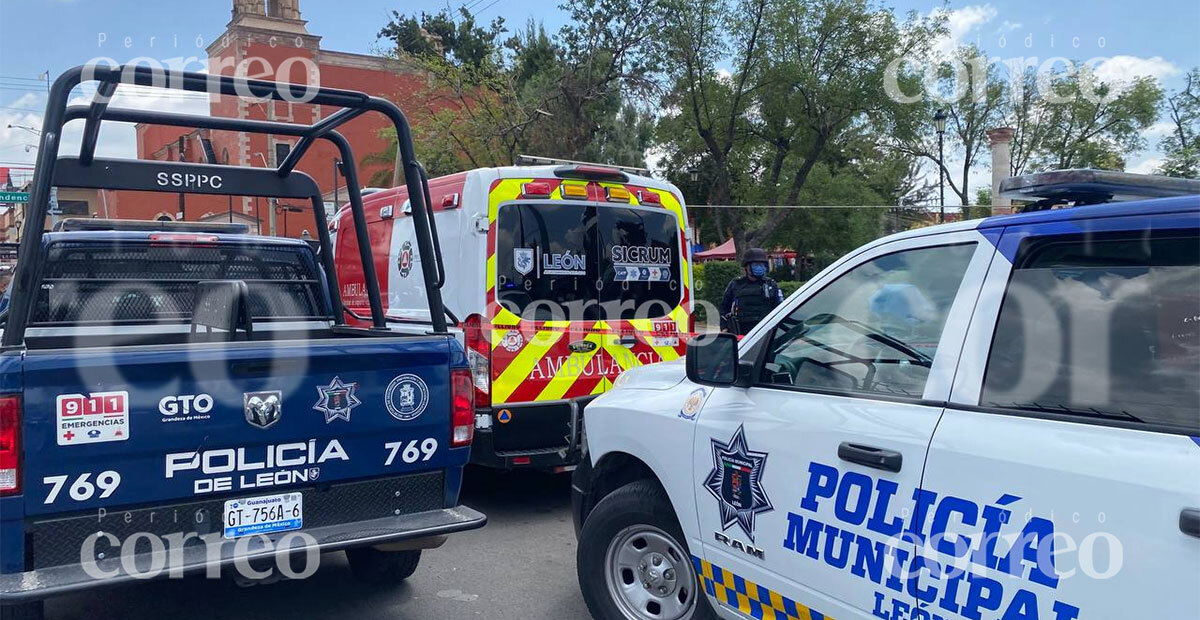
(712,359)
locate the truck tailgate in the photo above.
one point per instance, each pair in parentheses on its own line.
(140,426)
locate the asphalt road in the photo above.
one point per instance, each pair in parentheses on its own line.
(520,567)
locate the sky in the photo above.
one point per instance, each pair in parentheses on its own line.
(1151,37)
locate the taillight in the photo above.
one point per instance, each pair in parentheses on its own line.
(10,445)
(479,358)
(462,408)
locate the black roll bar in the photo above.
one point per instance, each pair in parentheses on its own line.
(87,171)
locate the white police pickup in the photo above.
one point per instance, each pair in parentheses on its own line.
(989,420)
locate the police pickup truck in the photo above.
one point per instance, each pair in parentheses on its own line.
(995,419)
(183,397)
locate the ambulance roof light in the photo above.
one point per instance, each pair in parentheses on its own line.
(536,189)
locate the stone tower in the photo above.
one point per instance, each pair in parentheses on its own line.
(279,9)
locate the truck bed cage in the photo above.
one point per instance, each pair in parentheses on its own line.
(88,171)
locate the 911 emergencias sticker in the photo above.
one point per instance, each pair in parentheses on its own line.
(92,418)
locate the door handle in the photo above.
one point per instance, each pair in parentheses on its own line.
(628,341)
(877,458)
(1189,521)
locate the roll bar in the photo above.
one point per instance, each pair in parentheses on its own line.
(283,182)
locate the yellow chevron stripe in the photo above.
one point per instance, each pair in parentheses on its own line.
(518,370)
(558,386)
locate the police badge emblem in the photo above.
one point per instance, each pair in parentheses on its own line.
(736,482)
(523,260)
(337,400)
(407,397)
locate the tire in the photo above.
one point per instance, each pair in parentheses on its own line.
(22,611)
(382,568)
(633,562)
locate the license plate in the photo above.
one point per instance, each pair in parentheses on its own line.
(264,515)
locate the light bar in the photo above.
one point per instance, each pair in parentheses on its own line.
(1089,185)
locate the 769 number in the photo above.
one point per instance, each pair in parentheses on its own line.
(412,451)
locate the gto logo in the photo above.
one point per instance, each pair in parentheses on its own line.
(185,407)
(189,180)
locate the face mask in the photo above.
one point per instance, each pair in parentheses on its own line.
(758,269)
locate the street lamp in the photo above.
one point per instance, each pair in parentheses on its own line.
(29,129)
(939,123)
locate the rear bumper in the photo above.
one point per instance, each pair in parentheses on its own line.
(46,582)
(562,453)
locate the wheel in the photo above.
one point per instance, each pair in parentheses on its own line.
(22,611)
(633,563)
(382,567)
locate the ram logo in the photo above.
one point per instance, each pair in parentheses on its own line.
(263,409)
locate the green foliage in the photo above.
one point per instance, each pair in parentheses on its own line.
(710,279)
(802,118)
(1182,144)
(579,95)
(1072,120)
(442,36)
(789,286)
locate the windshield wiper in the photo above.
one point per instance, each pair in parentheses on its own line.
(873,334)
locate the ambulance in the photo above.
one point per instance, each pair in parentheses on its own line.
(560,275)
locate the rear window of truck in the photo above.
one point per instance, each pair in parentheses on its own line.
(134,282)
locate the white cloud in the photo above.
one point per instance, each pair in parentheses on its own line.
(1124,69)
(116,139)
(961,24)
(1146,166)
(1158,130)
(1009,26)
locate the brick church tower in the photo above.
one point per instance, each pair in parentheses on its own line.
(271,40)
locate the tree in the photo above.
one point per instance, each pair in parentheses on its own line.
(568,96)
(459,41)
(805,83)
(1182,144)
(973,95)
(1092,124)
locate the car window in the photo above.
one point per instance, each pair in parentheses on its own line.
(545,261)
(873,330)
(638,262)
(1105,328)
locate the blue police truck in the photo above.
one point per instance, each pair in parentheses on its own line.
(186,397)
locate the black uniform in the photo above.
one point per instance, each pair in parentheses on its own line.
(747,301)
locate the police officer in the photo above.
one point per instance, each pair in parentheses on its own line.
(751,297)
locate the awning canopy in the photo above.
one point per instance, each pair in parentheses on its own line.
(725,251)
